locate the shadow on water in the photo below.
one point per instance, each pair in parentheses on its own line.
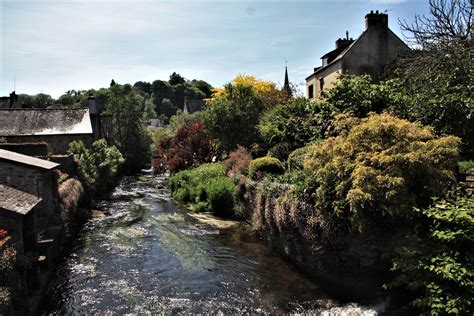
(150,256)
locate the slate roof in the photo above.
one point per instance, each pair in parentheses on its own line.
(28,122)
(191,106)
(17,201)
(27,160)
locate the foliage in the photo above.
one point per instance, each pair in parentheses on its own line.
(359,95)
(265,165)
(238,161)
(168,96)
(97,168)
(206,187)
(189,146)
(85,168)
(39,100)
(108,161)
(233,118)
(437,77)
(296,159)
(380,165)
(292,125)
(130,133)
(465,165)
(438,265)
(265,91)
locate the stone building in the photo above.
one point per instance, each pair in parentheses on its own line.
(56,127)
(35,177)
(368,54)
(17,216)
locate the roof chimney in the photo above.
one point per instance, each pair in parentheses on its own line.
(376,20)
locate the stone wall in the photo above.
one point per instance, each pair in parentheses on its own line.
(30,149)
(57,144)
(36,181)
(352,264)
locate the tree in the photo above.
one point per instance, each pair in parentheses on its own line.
(167,108)
(266,91)
(292,125)
(359,95)
(438,76)
(176,79)
(449,22)
(129,129)
(232,118)
(142,86)
(203,86)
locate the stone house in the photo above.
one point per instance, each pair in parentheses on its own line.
(368,54)
(36,177)
(17,216)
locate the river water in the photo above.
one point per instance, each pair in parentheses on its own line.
(150,256)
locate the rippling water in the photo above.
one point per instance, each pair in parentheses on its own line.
(150,256)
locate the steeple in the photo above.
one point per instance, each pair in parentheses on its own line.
(286,86)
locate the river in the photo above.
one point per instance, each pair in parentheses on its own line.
(151,256)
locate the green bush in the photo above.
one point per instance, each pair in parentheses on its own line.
(380,166)
(438,266)
(264,165)
(465,165)
(220,195)
(97,168)
(206,188)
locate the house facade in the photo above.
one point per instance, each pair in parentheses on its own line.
(368,54)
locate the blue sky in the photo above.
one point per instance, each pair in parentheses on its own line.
(55,46)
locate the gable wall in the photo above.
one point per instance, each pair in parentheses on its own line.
(57,144)
(39,182)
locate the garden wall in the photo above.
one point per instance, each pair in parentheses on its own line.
(352,264)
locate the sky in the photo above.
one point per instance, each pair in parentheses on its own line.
(55,46)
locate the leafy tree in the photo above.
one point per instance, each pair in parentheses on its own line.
(167,108)
(438,265)
(142,86)
(292,125)
(359,95)
(176,79)
(232,119)
(438,76)
(39,100)
(203,86)
(265,91)
(190,146)
(129,128)
(380,166)
(97,168)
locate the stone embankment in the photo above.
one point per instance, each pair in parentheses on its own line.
(351,263)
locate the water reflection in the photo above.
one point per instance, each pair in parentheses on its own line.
(149,256)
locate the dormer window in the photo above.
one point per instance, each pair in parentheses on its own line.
(325,61)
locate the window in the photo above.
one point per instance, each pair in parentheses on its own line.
(310,91)
(321,84)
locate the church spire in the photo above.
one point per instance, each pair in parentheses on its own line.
(286,86)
